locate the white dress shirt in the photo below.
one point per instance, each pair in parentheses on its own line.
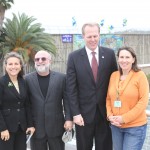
(89,53)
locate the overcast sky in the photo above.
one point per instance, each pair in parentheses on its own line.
(59,13)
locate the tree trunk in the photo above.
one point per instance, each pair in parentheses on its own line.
(2,13)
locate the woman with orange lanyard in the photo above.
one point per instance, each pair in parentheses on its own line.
(127,99)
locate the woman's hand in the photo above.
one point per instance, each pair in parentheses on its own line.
(5,135)
(119,119)
(30,130)
(116,120)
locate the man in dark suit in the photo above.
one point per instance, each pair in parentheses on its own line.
(49,104)
(87,82)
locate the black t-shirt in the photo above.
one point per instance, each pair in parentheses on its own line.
(44,82)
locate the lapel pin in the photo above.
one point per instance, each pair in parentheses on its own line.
(102,56)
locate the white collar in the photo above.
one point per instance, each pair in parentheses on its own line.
(89,51)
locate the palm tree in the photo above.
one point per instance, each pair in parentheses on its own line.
(22,35)
(4,5)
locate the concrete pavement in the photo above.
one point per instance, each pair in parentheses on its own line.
(69,146)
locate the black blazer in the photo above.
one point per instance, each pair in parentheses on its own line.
(49,113)
(83,93)
(14,107)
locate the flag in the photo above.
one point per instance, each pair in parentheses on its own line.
(74,23)
(102,23)
(111,27)
(124,22)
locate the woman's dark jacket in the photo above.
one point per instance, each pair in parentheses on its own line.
(14,106)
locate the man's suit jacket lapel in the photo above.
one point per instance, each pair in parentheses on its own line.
(86,63)
(88,66)
(37,85)
(101,64)
(52,82)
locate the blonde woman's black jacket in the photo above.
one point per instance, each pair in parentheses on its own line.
(14,106)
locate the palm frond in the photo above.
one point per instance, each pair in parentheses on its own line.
(22,34)
(6,3)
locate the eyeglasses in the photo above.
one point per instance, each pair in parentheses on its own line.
(38,59)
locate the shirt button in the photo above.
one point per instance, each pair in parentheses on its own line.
(18,110)
(19,103)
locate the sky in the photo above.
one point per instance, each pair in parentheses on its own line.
(57,15)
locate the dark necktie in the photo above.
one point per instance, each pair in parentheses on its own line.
(94,66)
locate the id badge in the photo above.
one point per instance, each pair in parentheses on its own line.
(117,103)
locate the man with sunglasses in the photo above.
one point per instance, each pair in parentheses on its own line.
(49,104)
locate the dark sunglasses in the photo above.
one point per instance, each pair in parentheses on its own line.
(38,59)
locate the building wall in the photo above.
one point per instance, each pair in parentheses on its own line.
(140,43)
(63,49)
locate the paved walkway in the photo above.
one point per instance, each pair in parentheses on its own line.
(69,146)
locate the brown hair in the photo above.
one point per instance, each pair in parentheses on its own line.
(91,25)
(132,52)
(17,55)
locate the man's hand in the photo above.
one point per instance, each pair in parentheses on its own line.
(68,125)
(5,135)
(31,130)
(78,120)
